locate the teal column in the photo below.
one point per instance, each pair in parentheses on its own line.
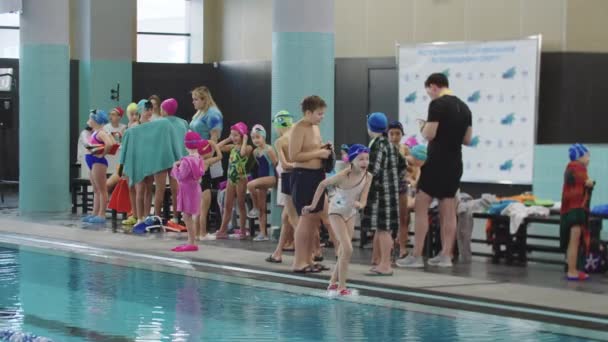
(105,46)
(44,107)
(303,60)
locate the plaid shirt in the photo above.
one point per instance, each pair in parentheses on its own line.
(388,167)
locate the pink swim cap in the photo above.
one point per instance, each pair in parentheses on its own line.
(411,141)
(205,147)
(240,127)
(193,140)
(169,106)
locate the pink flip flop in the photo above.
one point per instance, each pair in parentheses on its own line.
(185,248)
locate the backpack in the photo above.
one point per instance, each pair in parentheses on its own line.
(596,261)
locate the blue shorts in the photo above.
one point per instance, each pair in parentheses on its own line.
(91,159)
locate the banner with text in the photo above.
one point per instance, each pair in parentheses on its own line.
(498,81)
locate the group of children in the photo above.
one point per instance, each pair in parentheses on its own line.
(384,178)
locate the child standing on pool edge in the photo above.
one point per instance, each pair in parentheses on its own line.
(576,196)
(266,159)
(382,211)
(100,143)
(188,172)
(237,178)
(351,188)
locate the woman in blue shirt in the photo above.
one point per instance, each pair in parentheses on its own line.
(208,123)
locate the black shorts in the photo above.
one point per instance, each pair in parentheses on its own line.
(286,183)
(440,182)
(207,183)
(304,183)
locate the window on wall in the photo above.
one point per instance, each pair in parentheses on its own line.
(9,35)
(163,34)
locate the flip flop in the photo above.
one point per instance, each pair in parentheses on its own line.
(582,276)
(318,258)
(321,267)
(185,248)
(271,259)
(289,249)
(376,273)
(304,270)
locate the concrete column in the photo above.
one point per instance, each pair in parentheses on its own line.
(303,59)
(105,37)
(44,107)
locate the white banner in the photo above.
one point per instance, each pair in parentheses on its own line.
(498,81)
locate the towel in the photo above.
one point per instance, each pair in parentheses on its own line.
(152,147)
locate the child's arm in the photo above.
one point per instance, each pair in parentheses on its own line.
(375,160)
(224,145)
(362,202)
(108,141)
(321,189)
(245,149)
(218,154)
(180,170)
(273,156)
(286,165)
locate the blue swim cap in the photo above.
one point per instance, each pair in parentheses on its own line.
(576,151)
(419,152)
(99,116)
(355,150)
(377,122)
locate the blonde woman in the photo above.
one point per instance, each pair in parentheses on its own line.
(208,123)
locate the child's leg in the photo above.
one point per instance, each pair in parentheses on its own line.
(99,174)
(292,214)
(572,252)
(95,196)
(286,235)
(132,196)
(160,179)
(190,225)
(112,181)
(385,242)
(315,245)
(205,204)
(140,198)
(148,195)
(228,206)
(174,189)
(346,248)
(263,185)
(308,227)
(252,187)
(404,220)
(376,250)
(241,191)
(328,225)
(263,218)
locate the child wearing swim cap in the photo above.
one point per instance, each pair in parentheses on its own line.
(266,158)
(236,186)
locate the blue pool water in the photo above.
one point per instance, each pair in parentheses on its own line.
(71,299)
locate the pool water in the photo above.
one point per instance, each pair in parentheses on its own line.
(72,299)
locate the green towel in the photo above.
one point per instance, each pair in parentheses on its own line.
(152,147)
